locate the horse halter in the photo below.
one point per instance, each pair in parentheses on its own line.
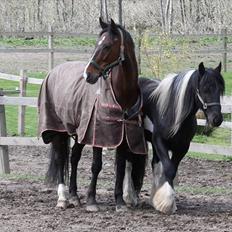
(105,72)
(204,104)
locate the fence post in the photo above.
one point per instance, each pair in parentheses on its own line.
(4,157)
(224,38)
(50,46)
(22,109)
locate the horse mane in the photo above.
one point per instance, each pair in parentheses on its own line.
(174,100)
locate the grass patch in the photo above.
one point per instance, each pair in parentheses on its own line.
(219,136)
(195,190)
(60,42)
(228,83)
(204,156)
(31,113)
(21,42)
(21,177)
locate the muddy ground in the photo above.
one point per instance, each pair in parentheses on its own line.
(204,198)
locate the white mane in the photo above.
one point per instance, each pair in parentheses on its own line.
(163,98)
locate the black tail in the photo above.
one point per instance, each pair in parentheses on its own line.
(58,170)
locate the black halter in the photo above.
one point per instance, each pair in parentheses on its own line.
(204,104)
(105,72)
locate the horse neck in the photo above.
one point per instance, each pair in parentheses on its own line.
(125,83)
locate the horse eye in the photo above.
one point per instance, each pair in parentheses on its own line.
(106,47)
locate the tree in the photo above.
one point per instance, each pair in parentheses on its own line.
(104,10)
(120,12)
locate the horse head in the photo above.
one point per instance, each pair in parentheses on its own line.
(210,87)
(108,53)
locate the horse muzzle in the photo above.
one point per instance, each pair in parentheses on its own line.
(215,120)
(91,78)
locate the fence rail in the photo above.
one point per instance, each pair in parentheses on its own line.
(50,34)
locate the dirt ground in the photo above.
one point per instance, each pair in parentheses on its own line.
(26,204)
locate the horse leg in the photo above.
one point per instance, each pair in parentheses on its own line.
(75,158)
(133,180)
(129,194)
(96,168)
(120,173)
(177,156)
(162,194)
(58,167)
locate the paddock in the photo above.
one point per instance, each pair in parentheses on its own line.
(204,198)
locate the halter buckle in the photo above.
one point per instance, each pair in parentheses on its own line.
(204,105)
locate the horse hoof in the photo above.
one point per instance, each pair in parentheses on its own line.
(131,200)
(164,199)
(92,208)
(74,202)
(62,204)
(166,209)
(121,208)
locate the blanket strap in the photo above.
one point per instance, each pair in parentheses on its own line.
(135,110)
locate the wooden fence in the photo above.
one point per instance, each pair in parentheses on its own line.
(51,50)
(23,101)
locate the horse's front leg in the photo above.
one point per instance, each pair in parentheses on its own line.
(96,168)
(120,173)
(162,194)
(75,158)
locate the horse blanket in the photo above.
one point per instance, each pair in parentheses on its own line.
(67,103)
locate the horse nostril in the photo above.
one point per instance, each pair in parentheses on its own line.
(217,120)
(89,78)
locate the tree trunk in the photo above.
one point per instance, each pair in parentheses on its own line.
(162,15)
(104,10)
(120,12)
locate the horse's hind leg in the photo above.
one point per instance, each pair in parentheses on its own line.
(120,173)
(133,180)
(75,158)
(96,168)
(58,166)
(138,171)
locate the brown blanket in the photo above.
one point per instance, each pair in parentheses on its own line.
(67,103)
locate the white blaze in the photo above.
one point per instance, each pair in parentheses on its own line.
(85,75)
(100,42)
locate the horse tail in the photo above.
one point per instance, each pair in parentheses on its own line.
(59,158)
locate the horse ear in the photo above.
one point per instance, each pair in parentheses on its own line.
(201,69)
(219,68)
(102,24)
(113,25)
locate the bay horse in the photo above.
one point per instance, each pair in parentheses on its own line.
(102,112)
(170,107)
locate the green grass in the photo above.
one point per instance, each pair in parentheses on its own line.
(204,156)
(219,136)
(62,42)
(196,190)
(31,113)
(228,83)
(21,177)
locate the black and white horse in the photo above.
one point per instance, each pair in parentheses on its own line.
(170,106)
